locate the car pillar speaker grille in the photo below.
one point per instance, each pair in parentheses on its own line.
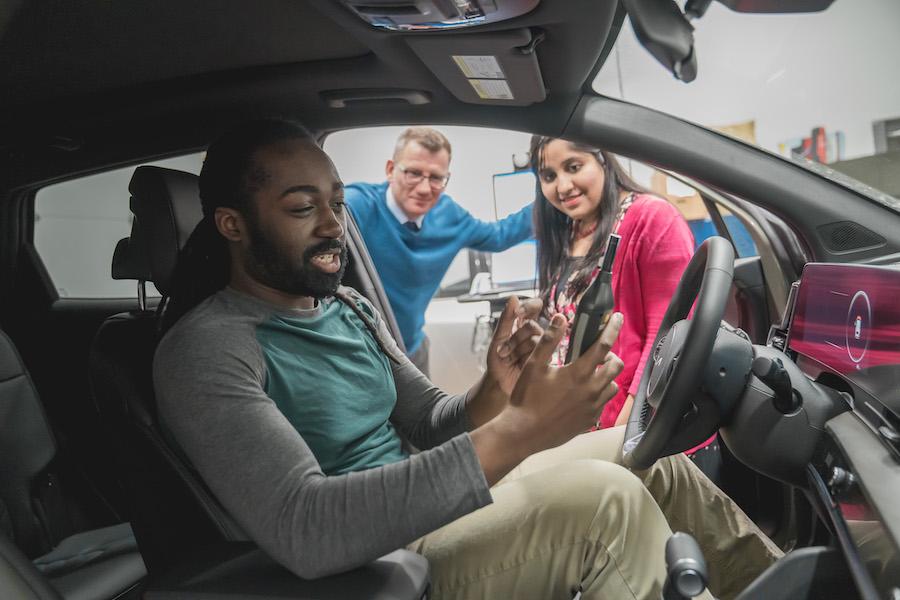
(847,236)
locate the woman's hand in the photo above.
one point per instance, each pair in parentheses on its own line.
(625,412)
(515,337)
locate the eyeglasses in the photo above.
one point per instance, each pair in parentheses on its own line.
(414,176)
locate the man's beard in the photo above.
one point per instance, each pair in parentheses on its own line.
(270,265)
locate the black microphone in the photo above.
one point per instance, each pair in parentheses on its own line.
(595,307)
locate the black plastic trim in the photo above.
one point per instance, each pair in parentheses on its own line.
(857,569)
(796,195)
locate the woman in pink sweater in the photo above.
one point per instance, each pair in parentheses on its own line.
(584,196)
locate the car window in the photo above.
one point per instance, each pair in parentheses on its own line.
(77,224)
(816,88)
(491,179)
(689,202)
(483,181)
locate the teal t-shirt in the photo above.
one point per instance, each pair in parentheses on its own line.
(213,381)
(325,372)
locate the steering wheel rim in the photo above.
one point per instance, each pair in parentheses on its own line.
(681,350)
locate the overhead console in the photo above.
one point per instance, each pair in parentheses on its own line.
(437,15)
(492,67)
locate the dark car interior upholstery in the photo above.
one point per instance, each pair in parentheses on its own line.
(19,578)
(91,564)
(166,208)
(172,507)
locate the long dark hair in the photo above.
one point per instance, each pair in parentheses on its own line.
(552,228)
(229,178)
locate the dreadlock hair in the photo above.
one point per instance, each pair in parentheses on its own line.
(229,178)
(552,227)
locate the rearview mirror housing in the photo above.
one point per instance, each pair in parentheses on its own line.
(664,31)
(777,6)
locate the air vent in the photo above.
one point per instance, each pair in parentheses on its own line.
(425,15)
(847,236)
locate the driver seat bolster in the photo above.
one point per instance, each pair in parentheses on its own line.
(86,547)
(100,563)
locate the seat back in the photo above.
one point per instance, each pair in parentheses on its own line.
(172,509)
(26,449)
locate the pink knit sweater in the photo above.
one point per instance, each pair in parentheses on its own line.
(656,246)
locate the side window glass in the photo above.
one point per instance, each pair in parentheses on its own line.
(77,224)
(485,183)
(490,179)
(694,211)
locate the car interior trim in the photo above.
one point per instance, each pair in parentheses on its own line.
(775,276)
(744,170)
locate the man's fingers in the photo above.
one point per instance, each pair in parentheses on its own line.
(603,379)
(529,308)
(521,341)
(505,326)
(596,354)
(606,394)
(609,370)
(549,340)
(524,346)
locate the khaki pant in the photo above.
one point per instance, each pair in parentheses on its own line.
(569,519)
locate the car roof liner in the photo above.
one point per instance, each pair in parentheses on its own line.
(131,81)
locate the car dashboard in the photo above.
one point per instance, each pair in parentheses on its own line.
(843,332)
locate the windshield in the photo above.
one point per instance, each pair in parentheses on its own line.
(820,88)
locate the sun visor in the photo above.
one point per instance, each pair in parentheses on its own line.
(499,68)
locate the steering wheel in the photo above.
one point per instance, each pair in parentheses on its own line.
(664,407)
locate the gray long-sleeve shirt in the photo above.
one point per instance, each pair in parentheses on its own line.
(210,378)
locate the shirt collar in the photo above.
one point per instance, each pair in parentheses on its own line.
(397,211)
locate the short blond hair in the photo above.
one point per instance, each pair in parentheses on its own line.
(430,139)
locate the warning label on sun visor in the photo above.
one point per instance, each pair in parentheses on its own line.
(485,76)
(479,67)
(492,89)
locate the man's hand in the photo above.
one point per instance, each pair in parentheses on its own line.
(515,337)
(565,401)
(550,405)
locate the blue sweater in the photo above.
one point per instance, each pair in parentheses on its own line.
(412,264)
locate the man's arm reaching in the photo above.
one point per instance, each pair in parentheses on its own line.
(266,477)
(209,384)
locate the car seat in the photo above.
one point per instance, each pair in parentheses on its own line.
(88,565)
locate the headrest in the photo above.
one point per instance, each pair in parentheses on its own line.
(129,261)
(166,208)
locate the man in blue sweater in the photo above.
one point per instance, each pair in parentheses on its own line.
(413,230)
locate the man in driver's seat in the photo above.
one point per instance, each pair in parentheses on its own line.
(289,396)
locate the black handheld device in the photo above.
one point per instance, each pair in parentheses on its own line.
(595,307)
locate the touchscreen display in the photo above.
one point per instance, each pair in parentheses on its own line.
(847,317)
